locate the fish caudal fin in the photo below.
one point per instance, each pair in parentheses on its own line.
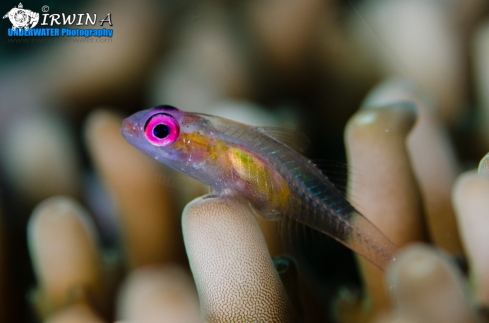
(368,241)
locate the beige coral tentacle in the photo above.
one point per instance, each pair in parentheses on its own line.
(235,276)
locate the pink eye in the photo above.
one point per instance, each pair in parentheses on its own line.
(161,129)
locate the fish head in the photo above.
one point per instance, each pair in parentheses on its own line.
(173,137)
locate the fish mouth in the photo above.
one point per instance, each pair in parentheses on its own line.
(129,129)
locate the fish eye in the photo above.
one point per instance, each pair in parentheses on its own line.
(161,129)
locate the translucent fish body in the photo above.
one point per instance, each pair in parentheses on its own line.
(276,180)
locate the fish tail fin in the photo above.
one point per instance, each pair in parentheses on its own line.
(368,241)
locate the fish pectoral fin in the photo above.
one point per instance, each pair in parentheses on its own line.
(270,215)
(293,139)
(210,196)
(225,192)
(264,212)
(214,193)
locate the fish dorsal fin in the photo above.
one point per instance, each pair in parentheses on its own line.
(293,139)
